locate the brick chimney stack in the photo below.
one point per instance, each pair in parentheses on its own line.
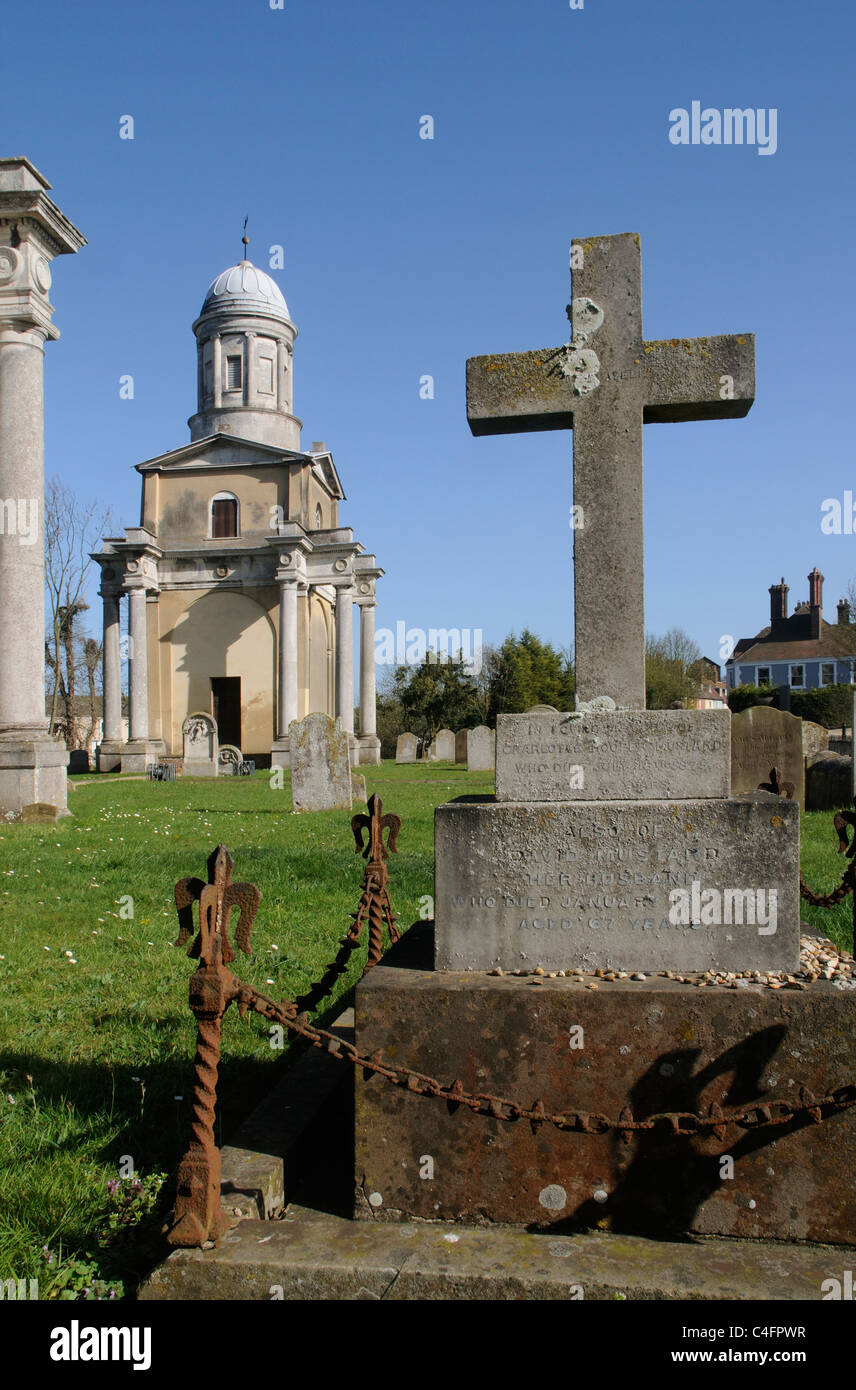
(778,606)
(815,603)
(843,612)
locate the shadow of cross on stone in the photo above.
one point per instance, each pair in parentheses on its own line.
(604,384)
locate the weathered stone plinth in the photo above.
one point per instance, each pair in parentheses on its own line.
(620,755)
(108,755)
(650,1046)
(138,754)
(32,771)
(589,884)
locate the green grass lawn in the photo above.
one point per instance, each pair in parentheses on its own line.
(93,1000)
(96,1039)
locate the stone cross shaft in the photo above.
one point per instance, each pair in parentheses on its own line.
(605,384)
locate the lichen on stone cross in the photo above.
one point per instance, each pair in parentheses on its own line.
(604,384)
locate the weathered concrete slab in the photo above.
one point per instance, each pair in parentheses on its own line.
(311,1256)
(600,1046)
(590,884)
(761,739)
(621,755)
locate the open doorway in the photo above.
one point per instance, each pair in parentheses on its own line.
(226,699)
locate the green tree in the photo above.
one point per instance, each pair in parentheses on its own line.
(668,677)
(436,694)
(525,671)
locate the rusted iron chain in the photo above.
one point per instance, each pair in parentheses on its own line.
(374,906)
(842,822)
(844,889)
(681,1122)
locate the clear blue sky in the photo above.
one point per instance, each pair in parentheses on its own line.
(405,256)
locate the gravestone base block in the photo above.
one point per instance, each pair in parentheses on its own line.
(280,753)
(108,756)
(368,751)
(647,1047)
(33,770)
(138,754)
(660,885)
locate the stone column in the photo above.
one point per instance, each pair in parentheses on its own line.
(138,674)
(217,371)
(32,232)
(290,575)
(287,655)
(369,741)
(109,750)
(249,369)
(281,385)
(345,657)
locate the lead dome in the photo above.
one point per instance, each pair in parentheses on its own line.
(245,288)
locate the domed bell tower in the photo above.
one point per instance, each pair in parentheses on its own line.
(245,346)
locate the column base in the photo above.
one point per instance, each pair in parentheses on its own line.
(108,755)
(280,753)
(139,753)
(369,750)
(34,770)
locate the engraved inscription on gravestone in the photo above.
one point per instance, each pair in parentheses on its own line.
(690,885)
(764,738)
(617,756)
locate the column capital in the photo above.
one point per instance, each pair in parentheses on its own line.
(33,232)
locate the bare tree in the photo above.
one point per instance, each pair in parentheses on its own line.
(72,530)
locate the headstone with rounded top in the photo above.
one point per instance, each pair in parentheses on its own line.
(200,745)
(406,748)
(481,749)
(443,747)
(461,745)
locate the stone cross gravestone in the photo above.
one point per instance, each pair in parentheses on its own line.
(200,745)
(612,841)
(762,739)
(406,748)
(461,745)
(604,385)
(320,764)
(481,749)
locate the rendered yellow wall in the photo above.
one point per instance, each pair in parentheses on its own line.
(177,506)
(195,634)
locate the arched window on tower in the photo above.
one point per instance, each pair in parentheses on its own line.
(224,515)
(319,518)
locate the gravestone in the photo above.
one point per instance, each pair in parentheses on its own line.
(320,764)
(461,745)
(406,747)
(612,843)
(443,747)
(230,758)
(815,738)
(200,745)
(481,749)
(828,782)
(761,739)
(78,761)
(358,786)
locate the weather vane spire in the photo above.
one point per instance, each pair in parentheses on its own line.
(245,239)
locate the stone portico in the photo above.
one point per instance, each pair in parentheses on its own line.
(240,582)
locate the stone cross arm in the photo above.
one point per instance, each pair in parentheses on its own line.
(680,378)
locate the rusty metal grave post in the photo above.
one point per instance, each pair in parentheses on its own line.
(198,1215)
